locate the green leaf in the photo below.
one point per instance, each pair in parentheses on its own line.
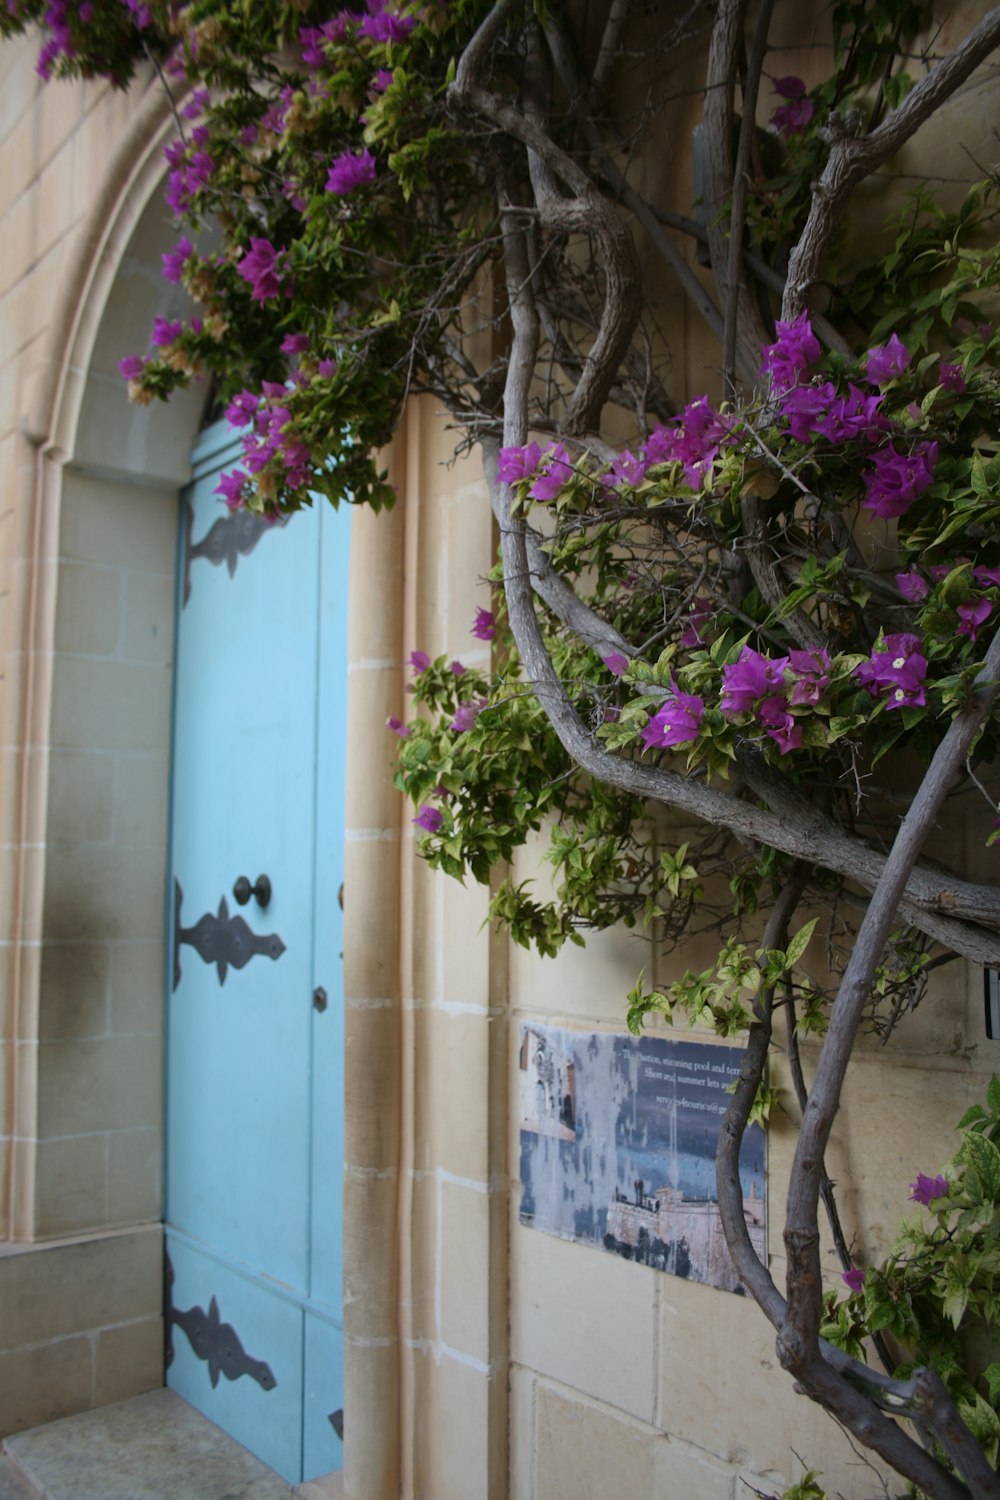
(979,1152)
(955,1303)
(993,1094)
(799,943)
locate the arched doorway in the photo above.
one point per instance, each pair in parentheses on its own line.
(92,908)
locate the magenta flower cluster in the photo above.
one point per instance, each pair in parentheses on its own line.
(271,439)
(349,171)
(379,23)
(792,117)
(770,687)
(895,477)
(60,43)
(895,672)
(693,440)
(192,169)
(429,819)
(264,267)
(175,260)
(793,351)
(676,722)
(764,687)
(484,626)
(926,1189)
(972,613)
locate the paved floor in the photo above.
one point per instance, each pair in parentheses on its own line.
(12,1486)
(154,1447)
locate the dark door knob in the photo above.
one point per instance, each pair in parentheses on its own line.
(243,890)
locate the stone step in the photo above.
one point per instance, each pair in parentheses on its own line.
(152,1447)
(13,1484)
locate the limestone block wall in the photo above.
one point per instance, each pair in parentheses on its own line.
(486,1359)
(619,1378)
(87,548)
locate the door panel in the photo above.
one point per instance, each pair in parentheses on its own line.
(256,1400)
(323,1415)
(254,1068)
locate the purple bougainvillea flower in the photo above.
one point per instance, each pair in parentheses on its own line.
(131,367)
(383,78)
(898,479)
(515,464)
(779,724)
(854,1278)
(398,727)
(419,661)
(804,406)
(484,626)
(558,471)
(429,818)
(701,610)
(242,409)
(789,87)
(746,681)
(165,332)
(174,260)
(295,343)
(626,469)
(818,409)
(456,667)
(794,350)
(385,27)
(232,489)
(260,266)
(810,671)
(465,717)
(913,586)
(676,722)
(886,361)
(693,440)
(616,663)
(194,106)
(985,576)
(193,172)
(897,670)
(312,39)
(951,377)
(973,615)
(793,117)
(349,171)
(855,415)
(926,1189)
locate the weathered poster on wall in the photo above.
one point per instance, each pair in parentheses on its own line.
(618,1137)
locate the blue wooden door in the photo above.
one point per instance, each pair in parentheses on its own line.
(254,1010)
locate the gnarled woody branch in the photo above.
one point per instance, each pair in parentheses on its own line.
(749,332)
(962,916)
(586,211)
(948,910)
(824,1371)
(850,160)
(798,1341)
(865,1399)
(851,1404)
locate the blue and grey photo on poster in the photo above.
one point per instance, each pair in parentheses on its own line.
(618,1137)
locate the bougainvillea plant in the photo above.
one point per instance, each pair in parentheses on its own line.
(731,621)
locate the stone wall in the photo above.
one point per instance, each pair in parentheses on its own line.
(87,544)
(485,1359)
